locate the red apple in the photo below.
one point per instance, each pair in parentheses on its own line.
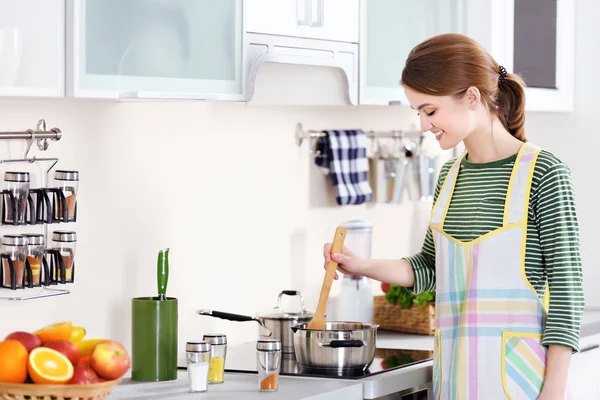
(29,340)
(83,376)
(65,347)
(110,359)
(84,361)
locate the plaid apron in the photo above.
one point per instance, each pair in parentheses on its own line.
(489,319)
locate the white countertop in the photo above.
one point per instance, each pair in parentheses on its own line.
(241,386)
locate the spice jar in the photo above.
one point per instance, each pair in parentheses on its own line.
(68,183)
(15,248)
(198,357)
(218,351)
(64,242)
(268,359)
(17,183)
(34,255)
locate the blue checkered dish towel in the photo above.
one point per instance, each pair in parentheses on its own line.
(342,155)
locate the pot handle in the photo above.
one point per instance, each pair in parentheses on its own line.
(335,344)
(228,316)
(291,293)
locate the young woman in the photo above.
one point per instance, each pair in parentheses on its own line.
(503,235)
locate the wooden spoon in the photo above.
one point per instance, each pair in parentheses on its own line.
(318,320)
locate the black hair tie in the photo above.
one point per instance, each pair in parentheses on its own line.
(502,72)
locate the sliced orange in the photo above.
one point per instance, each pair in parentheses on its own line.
(47,366)
(58,331)
(77,334)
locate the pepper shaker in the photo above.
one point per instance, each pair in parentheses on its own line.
(198,358)
(17,184)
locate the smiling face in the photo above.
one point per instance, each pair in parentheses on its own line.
(449,118)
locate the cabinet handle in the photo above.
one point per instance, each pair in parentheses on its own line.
(590,348)
(304,12)
(320,11)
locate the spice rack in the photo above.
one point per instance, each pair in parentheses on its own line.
(43,206)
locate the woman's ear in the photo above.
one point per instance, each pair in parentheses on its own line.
(473,97)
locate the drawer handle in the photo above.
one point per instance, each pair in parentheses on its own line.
(589,348)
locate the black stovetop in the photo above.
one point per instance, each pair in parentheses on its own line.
(243,359)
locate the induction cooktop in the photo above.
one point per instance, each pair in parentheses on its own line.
(242,359)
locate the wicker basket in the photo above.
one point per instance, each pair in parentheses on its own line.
(30,391)
(392,317)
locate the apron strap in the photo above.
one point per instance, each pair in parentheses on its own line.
(519,186)
(440,208)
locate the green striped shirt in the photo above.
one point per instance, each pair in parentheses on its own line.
(552,252)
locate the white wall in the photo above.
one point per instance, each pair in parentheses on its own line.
(243,209)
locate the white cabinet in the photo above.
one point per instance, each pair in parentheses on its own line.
(32,48)
(389,30)
(584,372)
(535,39)
(315,19)
(155,49)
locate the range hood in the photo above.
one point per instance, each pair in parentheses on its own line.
(339,56)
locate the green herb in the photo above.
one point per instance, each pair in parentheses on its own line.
(401,295)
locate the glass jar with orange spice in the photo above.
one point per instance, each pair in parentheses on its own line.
(68,182)
(14,248)
(268,358)
(35,255)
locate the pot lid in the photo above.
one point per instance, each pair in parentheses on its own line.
(278,313)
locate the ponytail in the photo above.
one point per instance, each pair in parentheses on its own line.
(511,105)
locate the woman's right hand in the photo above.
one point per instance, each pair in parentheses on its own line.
(348,262)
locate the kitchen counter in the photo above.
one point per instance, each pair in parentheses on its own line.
(241,386)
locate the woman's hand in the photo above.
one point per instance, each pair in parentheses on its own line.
(348,262)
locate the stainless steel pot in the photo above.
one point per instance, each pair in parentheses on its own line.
(343,347)
(274,324)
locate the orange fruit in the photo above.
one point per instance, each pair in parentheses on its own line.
(77,334)
(58,331)
(13,362)
(49,366)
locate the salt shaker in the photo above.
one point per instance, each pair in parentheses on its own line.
(198,358)
(218,351)
(268,359)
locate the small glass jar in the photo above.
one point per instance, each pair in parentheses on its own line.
(35,255)
(17,184)
(68,182)
(15,247)
(198,359)
(268,360)
(64,242)
(218,352)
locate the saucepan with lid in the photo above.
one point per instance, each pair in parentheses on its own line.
(275,323)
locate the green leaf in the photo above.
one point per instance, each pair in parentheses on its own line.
(405,298)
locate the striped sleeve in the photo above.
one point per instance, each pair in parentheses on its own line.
(423,263)
(556,218)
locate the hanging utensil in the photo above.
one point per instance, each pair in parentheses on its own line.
(318,320)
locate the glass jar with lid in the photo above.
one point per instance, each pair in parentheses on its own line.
(218,352)
(35,256)
(268,359)
(14,248)
(68,183)
(198,357)
(64,242)
(17,184)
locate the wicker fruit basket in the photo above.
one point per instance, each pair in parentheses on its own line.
(30,391)
(392,317)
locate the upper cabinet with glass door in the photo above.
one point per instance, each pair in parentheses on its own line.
(335,20)
(32,51)
(155,49)
(389,30)
(535,39)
